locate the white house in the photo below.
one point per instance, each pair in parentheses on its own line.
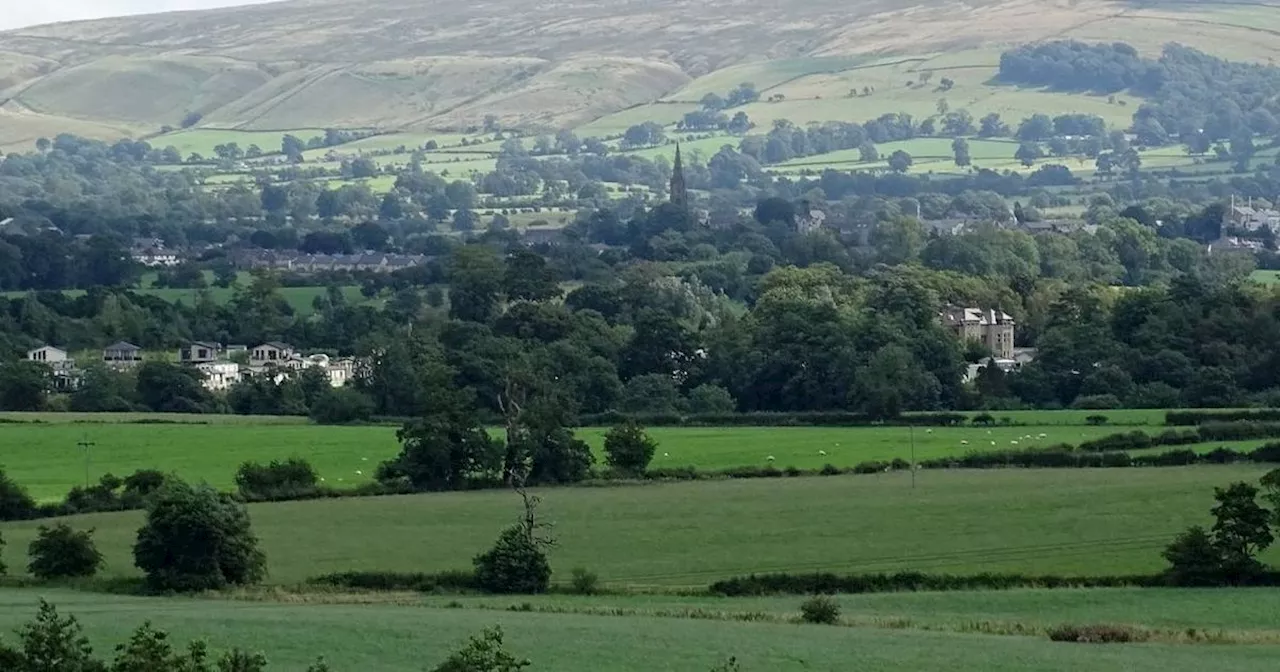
(49,355)
(274,352)
(219,376)
(340,370)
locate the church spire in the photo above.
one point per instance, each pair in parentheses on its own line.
(679,192)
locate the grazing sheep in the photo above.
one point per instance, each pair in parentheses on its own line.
(928,431)
(964,443)
(1013,443)
(822,452)
(364,459)
(359,473)
(1044,436)
(993,443)
(770,458)
(666,454)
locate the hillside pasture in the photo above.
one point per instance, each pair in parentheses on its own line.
(1047,521)
(45,459)
(408,637)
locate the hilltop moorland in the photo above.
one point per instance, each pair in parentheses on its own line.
(403,65)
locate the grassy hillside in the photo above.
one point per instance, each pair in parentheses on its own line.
(1064,521)
(423,67)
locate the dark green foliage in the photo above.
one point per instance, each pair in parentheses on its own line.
(294,478)
(3,568)
(483,654)
(59,552)
(23,386)
(196,538)
(341,406)
(628,448)
(237,660)
(557,456)
(820,609)
(1093,634)
(50,643)
(1227,554)
(1205,417)
(828,584)
(445,452)
(15,503)
(584,582)
(515,565)
(425,583)
(1193,558)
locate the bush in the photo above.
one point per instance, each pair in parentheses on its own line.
(60,552)
(196,538)
(294,478)
(1096,420)
(628,448)
(15,503)
(515,565)
(584,582)
(1093,634)
(1097,402)
(342,406)
(820,609)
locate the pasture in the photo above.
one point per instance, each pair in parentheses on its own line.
(412,637)
(45,458)
(671,535)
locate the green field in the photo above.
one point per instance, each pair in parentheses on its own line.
(408,637)
(1090,521)
(44,456)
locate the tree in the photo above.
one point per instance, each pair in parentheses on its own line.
(867,153)
(475,283)
(341,406)
(516,565)
(1241,530)
(529,278)
(483,654)
(15,502)
(710,399)
(991,126)
(898,240)
(1028,153)
(61,552)
(196,538)
(960,147)
(23,386)
(1227,554)
(169,388)
(51,643)
(447,450)
(629,449)
(900,161)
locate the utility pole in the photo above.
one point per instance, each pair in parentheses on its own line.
(85,444)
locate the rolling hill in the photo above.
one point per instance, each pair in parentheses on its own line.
(418,66)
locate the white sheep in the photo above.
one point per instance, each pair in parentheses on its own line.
(359,473)
(822,452)
(928,431)
(666,454)
(993,443)
(1013,443)
(964,443)
(770,458)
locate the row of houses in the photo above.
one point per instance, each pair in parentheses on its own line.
(218,363)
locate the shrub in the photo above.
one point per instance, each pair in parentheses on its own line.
(485,653)
(15,503)
(584,582)
(820,609)
(291,479)
(1093,634)
(443,582)
(628,448)
(1096,420)
(515,565)
(342,406)
(60,552)
(3,568)
(196,538)
(983,419)
(1097,402)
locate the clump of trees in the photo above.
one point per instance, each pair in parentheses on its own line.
(59,552)
(196,538)
(1227,553)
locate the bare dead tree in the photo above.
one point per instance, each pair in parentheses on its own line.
(537,531)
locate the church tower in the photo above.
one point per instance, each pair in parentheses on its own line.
(679,192)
